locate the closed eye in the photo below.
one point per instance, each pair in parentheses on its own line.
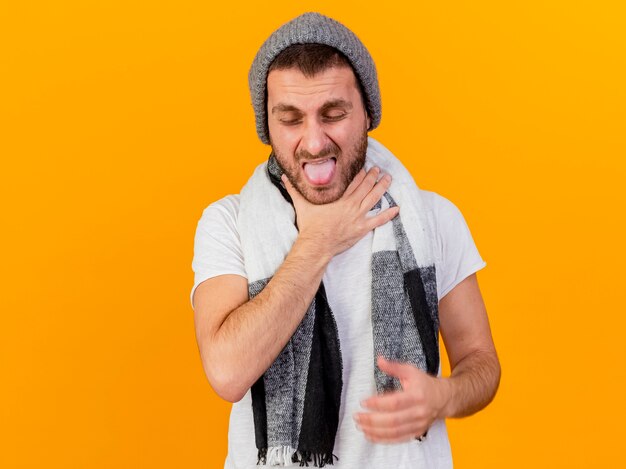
(335,117)
(290,121)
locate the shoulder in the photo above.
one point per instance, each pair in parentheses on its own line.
(447,217)
(217,248)
(221,213)
(226,207)
(217,227)
(455,248)
(438,204)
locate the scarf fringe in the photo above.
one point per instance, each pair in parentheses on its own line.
(288,456)
(318,459)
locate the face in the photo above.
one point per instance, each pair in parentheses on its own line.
(318,130)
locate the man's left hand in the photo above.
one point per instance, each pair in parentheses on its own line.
(404,415)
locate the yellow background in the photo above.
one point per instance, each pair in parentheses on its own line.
(120,121)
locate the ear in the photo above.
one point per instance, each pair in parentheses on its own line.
(369,120)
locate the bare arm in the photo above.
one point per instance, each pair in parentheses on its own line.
(466,333)
(239,339)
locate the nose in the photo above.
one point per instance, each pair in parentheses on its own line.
(314,139)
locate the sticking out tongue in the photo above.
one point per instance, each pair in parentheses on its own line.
(320,173)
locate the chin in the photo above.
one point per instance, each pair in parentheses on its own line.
(321,196)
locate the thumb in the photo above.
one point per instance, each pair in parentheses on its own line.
(293,192)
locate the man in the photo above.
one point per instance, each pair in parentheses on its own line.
(320,290)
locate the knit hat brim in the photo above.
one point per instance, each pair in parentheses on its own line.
(313,28)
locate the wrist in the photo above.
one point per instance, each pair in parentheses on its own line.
(446,409)
(312,247)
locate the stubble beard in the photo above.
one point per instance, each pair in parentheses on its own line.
(325,195)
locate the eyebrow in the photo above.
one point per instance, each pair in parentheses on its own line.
(284,108)
(281,107)
(347,105)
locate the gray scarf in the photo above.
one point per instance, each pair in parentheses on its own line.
(296,401)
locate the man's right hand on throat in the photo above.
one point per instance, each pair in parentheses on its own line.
(336,226)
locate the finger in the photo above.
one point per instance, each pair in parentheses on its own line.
(389,402)
(381,218)
(397,434)
(397,369)
(376,193)
(361,190)
(358,179)
(388,419)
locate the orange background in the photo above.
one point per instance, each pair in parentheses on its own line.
(120,121)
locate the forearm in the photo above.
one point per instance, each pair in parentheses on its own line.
(253,335)
(472,384)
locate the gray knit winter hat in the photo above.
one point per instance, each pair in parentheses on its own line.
(313,28)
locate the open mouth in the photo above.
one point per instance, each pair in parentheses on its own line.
(320,172)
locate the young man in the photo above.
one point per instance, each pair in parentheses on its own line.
(321,289)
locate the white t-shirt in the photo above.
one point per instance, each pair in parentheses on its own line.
(347,280)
